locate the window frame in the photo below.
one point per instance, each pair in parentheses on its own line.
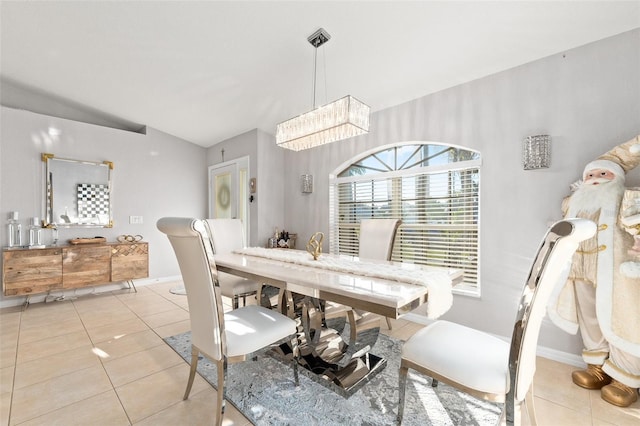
(334,203)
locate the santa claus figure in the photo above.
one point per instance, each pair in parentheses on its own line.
(601,298)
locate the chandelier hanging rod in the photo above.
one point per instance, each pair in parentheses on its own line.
(317,39)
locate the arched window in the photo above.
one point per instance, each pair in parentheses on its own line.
(433,187)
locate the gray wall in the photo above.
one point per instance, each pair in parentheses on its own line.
(587,99)
(154,175)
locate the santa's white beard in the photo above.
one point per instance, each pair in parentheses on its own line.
(590,198)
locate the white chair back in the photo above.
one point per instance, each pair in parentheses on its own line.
(193,250)
(377,237)
(550,267)
(226,234)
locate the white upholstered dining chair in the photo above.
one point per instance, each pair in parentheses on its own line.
(228,235)
(221,337)
(485,366)
(376,240)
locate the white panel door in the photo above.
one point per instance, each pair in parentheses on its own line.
(229,191)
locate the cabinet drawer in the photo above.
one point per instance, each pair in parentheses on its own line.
(129,261)
(31,271)
(82,266)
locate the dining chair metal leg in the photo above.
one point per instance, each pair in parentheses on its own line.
(434,383)
(295,358)
(195,352)
(222,383)
(402,385)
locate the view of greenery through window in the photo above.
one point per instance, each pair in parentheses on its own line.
(433,188)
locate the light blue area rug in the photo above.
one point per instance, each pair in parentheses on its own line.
(265,393)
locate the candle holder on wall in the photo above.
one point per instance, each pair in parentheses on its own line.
(536,152)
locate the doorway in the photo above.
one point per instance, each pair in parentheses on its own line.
(228,191)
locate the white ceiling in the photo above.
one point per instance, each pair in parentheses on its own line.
(206,71)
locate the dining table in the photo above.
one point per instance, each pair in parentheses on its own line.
(339,301)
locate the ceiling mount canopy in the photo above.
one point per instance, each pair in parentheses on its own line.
(338,120)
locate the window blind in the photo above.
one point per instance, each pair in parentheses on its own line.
(438,209)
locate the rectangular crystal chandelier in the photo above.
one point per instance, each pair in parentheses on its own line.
(341,119)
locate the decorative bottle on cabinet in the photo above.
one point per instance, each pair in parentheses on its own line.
(14,230)
(35,233)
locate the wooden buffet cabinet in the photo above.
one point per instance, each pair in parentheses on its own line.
(28,271)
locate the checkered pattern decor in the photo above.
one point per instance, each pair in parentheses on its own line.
(93,200)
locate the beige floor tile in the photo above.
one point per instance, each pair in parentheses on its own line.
(5,407)
(163,288)
(141,364)
(550,414)
(157,392)
(155,307)
(95,319)
(629,416)
(128,344)
(181,302)
(9,337)
(598,422)
(103,301)
(177,299)
(173,329)
(553,383)
(143,297)
(101,304)
(38,311)
(166,317)
(51,329)
(35,400)
(52,345)
(6,379)
(8,355)
(9,320)
(47,368)
(199,410)
(116,330)
(102,409)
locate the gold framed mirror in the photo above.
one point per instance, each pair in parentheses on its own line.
(77,192)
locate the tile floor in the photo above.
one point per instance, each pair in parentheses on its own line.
(100,360)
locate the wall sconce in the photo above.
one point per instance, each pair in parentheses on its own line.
(306,184)
(536,152)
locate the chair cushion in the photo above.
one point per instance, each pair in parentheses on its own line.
(462,355)
(231,285)
(253,327)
